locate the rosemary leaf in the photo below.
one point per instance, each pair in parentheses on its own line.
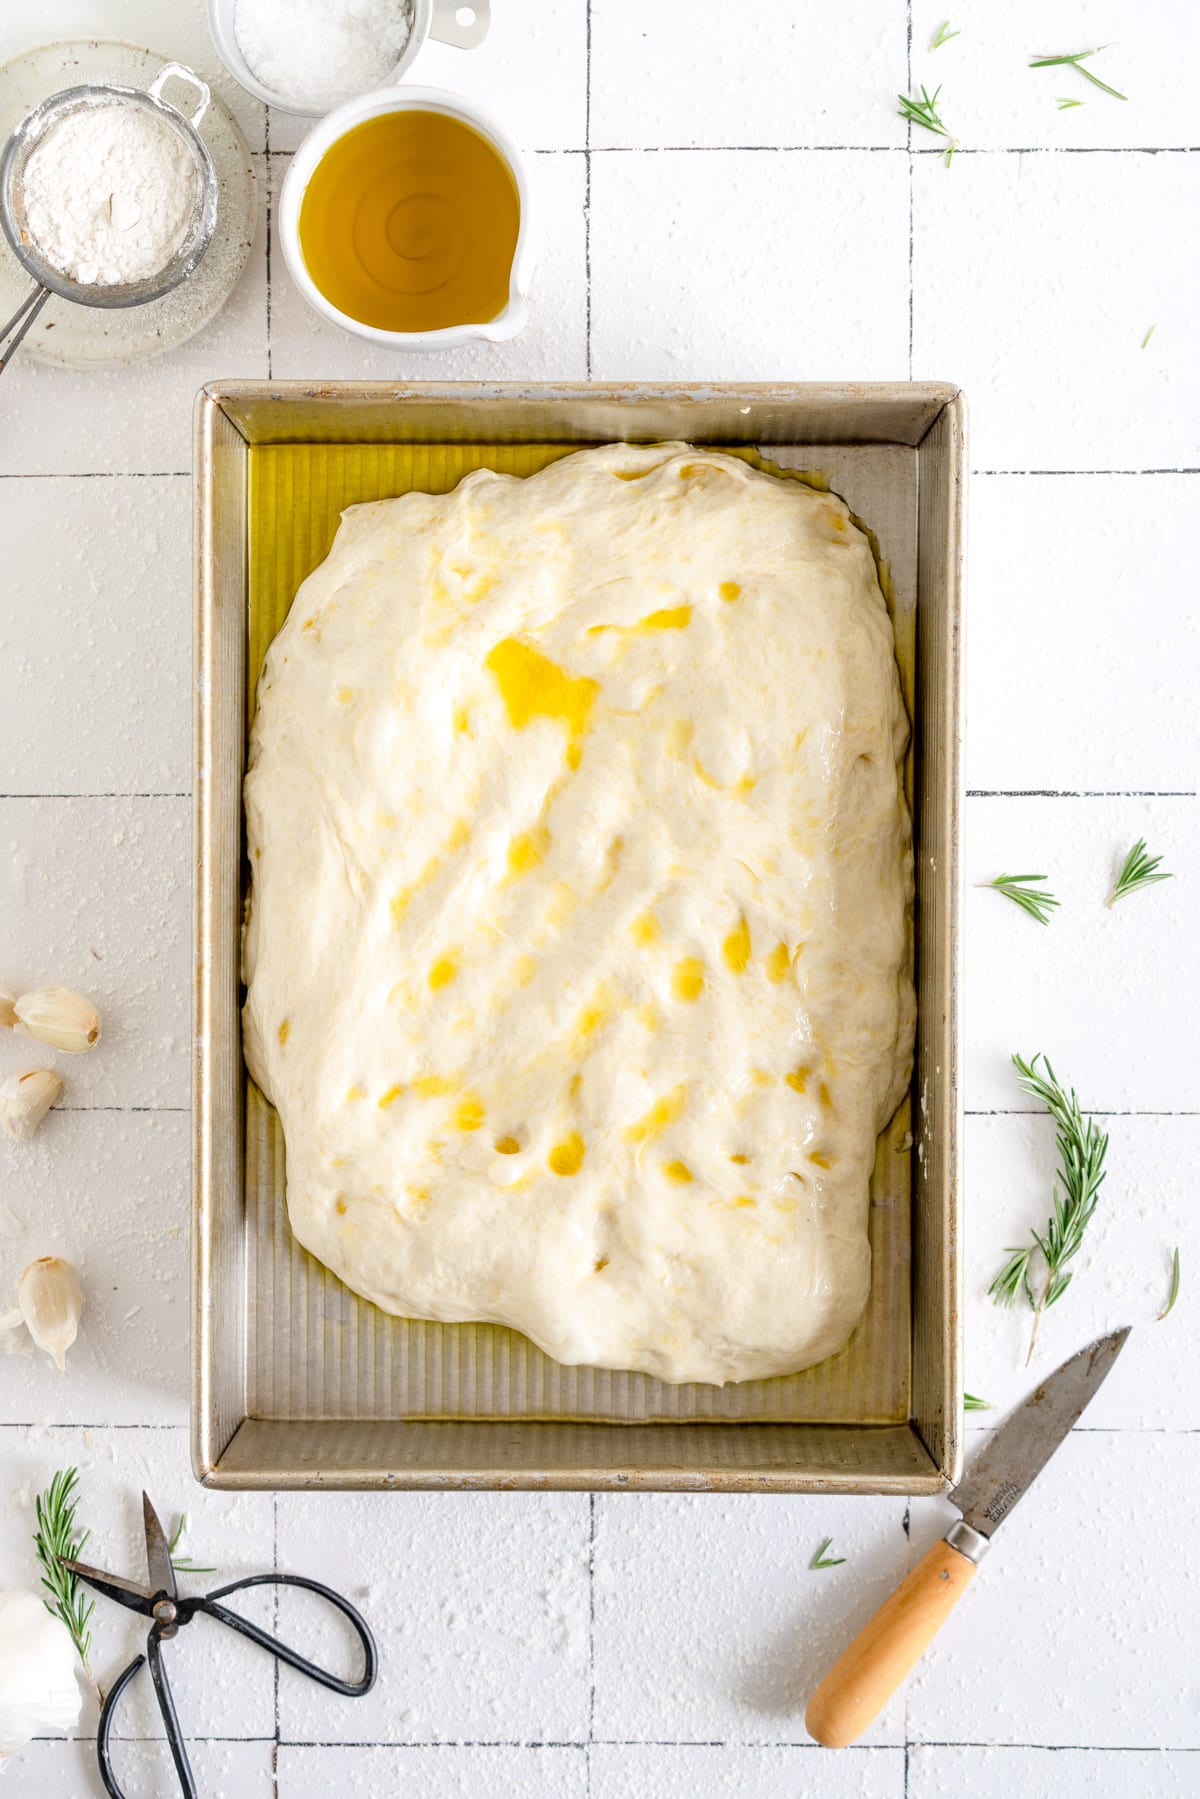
(184,1562)
(1066,105)
(1173,1295)
(923,112)
(57,1535)
(1082,1147)
(1149,335)
(1022,891)
(944,34)
(821,1560)
(971,1404)
(1138,870)
(1076,61)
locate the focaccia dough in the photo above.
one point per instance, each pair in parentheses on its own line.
(578,945)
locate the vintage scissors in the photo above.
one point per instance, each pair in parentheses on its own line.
(159,1600)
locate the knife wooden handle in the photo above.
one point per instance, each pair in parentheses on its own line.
(886,1650)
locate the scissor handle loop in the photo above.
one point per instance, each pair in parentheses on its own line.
(353,1689)
(170,1718)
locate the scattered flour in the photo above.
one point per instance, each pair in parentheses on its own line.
(109,194)
(315,53)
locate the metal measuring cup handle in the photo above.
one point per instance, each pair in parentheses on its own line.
(447,30)
(188,76)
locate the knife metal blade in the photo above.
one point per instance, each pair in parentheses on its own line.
(1005,1469)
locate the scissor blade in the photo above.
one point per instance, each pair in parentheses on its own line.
(158,1556)
(1004,1471)
(126,1592)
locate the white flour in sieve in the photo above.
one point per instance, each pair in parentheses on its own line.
(317,53)
(109,194)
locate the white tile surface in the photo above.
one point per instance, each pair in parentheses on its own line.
(675,1771)
(223,1685)
(109,1193)
(479,1604)
(1035,296)
(530,73)
(948,1772)
(95,636)
(1100,991)
(810,277)
(552,347)
(709,1623)
(48,1770)
(135,420)
(997,101)
(1035,279)
(95,894)
(443,1772)
(1049,1646)
(1092,569)
(764,74)
(1123,1273)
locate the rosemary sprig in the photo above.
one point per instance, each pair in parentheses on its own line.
(1082,1147)
(1076,62)
(1020,889)
(57,1535)
(1173,1295)
(971,1404)
(924,112)
(1149,335)
(1138,870)
(184,1562)
(821,1560)
(944,34)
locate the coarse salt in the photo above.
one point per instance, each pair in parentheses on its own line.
(317,53)
(110,192)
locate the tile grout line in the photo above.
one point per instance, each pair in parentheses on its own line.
(275,1631)
(909,145)
(591,1731)
(806,1745)
(267,138)
(908,11)
(587,191)
(839,150)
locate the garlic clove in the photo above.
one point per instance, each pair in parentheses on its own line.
(14,1338)
(8,1017)
(51,1299)
(38,1689)
(25,1099)
(59,1017)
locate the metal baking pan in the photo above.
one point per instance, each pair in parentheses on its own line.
(296,1381)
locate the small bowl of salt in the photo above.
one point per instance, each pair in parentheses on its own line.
(310,56)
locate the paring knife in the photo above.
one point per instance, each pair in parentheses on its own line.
(886,1650)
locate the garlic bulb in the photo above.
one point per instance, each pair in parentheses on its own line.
(51,1299)
(25,1099)
(38,1688)
(59,1017)
(8,1017)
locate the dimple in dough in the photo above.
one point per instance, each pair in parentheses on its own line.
(578,949)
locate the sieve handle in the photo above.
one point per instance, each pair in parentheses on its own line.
(193,80)
(27,311)
(447,29)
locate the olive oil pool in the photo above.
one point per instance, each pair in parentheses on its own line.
(409,223)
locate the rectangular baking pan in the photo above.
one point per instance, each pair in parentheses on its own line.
(296,1382)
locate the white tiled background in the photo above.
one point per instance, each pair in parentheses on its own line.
(726,191)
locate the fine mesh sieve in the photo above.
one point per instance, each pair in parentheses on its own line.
(50,280)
